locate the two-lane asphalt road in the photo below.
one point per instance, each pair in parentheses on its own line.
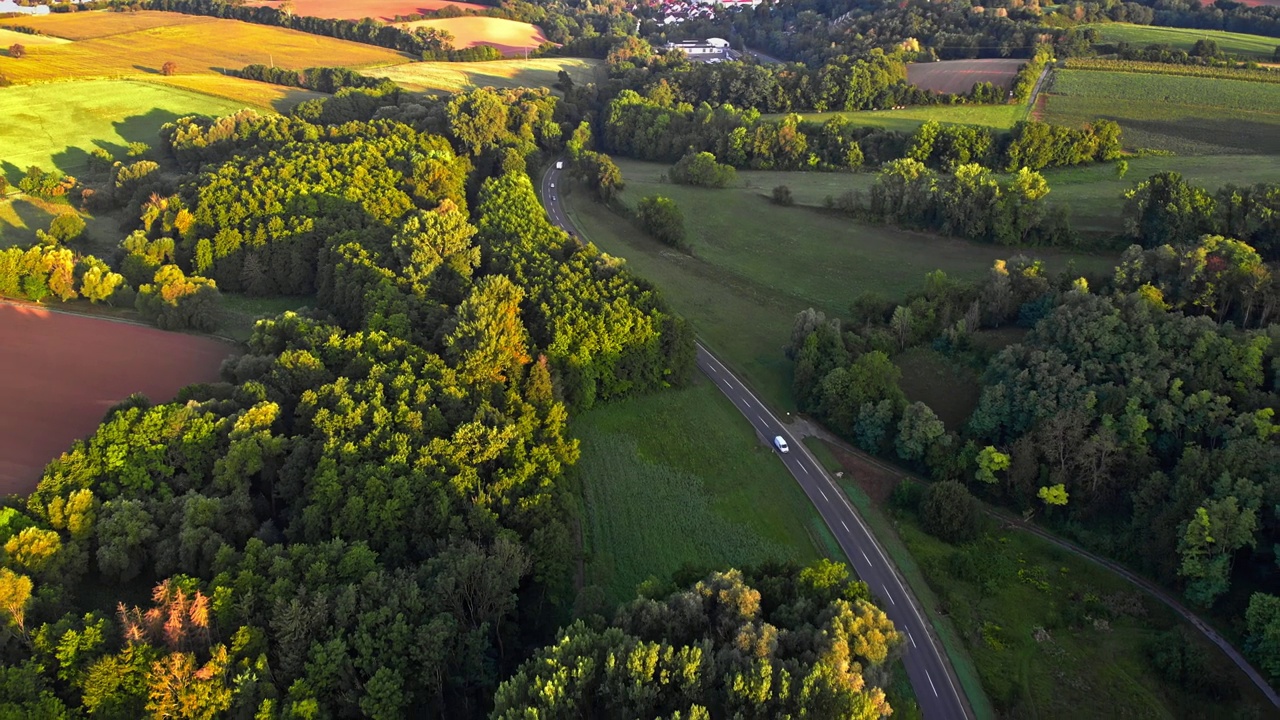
(927,666)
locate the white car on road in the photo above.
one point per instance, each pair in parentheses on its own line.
(781,444)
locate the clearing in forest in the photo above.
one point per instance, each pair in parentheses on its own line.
(384,10)
(54,397)
(959,76)
(510,37)
(144,52)
(680,478)
(455,76)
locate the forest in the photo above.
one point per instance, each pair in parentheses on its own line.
(369,514)
(1135,413)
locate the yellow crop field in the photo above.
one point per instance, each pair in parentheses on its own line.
(202,47)
(11,37)
(452,76)
(101,23)
(508,36)
(248,92)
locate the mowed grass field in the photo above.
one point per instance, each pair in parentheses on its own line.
(959,76)
(1001,117)
(195,44)
(1055,636)
(681,478)
(1185,38)
(1093,192)
(508,36)
(756,265)
(454,76)
(1185,115)
(58,124)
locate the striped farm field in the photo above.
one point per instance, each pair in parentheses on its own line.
(959,76)
(454,76)
(508,36)
(190,45)
(13,37)
(1186,115)
(102,23)
(1184,38)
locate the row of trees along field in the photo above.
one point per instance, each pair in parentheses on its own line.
(806,31)
(1137,415)
(1221,15)
(369,514)
(875,81)
(648,128)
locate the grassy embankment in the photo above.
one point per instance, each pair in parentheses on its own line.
(756,265)
(1240,44)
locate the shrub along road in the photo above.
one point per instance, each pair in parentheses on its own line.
(927,666)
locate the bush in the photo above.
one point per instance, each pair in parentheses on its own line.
(137,149)
(17,50)
(66,227)
(701,169)
(949,512)
(661,218)
(169,68)
(782,196)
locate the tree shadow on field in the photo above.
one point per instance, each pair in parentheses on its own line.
(30,218)
(143,128)
(71,160)
(12,172)
(147,69)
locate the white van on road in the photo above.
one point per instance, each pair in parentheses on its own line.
(781,444)
(559,164)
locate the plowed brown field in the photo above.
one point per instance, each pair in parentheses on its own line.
(959,76)
(60,373)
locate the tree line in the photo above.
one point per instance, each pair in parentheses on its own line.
(646,128)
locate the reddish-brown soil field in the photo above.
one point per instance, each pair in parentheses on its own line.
(959,76)
(59,374)
(384,10)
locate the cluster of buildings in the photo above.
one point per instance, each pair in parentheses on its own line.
(10,7)
(677,11)
(710,50)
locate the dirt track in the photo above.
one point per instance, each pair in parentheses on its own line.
(60,373)
(959,76)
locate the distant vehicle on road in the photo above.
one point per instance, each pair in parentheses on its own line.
(553,186)
(559,164)
(781,444)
